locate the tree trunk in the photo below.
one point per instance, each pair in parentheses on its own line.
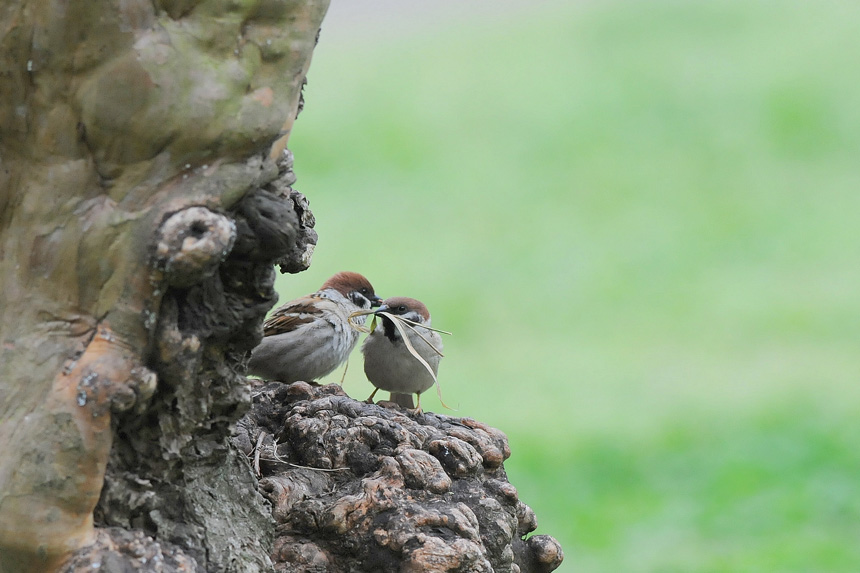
(145,195)
(143,200)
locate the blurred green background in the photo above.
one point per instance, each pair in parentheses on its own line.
(640,220)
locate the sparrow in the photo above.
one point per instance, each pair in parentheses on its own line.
(311,336)
(388,363)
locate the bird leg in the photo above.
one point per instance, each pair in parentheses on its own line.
(370,400)
(345,368)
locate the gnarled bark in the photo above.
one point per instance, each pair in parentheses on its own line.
(359,487)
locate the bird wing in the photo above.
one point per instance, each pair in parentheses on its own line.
(293,316)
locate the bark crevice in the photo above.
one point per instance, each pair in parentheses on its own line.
(172,473)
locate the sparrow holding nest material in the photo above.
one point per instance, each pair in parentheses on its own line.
(388,362)
(311,336)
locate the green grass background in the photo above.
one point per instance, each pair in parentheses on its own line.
(640,220)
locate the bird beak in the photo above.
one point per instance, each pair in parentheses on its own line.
(383,308)
(375,301)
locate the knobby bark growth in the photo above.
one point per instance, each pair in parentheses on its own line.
(361,487)
(145,195)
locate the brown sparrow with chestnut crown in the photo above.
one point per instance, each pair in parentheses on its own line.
(388,363)
(311,336)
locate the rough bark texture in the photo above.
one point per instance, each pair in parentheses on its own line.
(141,209)
(171,472)
(361,487)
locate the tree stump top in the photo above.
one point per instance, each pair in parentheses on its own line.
(358,486)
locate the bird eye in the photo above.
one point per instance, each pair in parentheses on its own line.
(401,308)
(364,290)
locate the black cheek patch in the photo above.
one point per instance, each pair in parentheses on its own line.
(359,300)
